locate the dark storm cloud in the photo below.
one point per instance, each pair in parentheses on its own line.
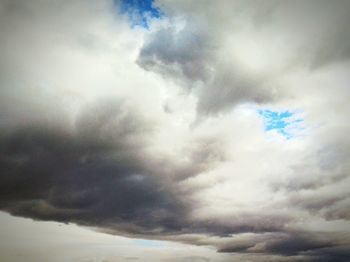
(98,172)
(243,223)
(311,246)
(296,243)
(99,175)
(314,247)
(96,175)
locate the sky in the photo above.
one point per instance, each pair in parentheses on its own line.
(174,131)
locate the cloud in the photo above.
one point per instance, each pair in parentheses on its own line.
(91,134)
(236,51)
(176,52)
(96,175)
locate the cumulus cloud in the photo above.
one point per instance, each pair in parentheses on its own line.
(238,50)
(96,129)
(96,175)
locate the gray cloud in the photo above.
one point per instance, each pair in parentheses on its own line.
(99,175)
(298,246)
(181,54)
(207,49)
(124,166)
(96,175)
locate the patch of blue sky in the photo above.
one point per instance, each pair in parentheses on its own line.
(286,123)
(139,12)
(148,243)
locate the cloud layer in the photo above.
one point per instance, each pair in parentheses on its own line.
(156,133)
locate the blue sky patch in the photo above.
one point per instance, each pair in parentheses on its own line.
(140,11)
(283,122)
(148,243)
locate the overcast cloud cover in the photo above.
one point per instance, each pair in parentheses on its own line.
(221,125)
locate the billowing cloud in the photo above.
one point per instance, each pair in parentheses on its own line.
(238,50)
(97,130)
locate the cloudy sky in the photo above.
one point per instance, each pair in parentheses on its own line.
(174,130)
